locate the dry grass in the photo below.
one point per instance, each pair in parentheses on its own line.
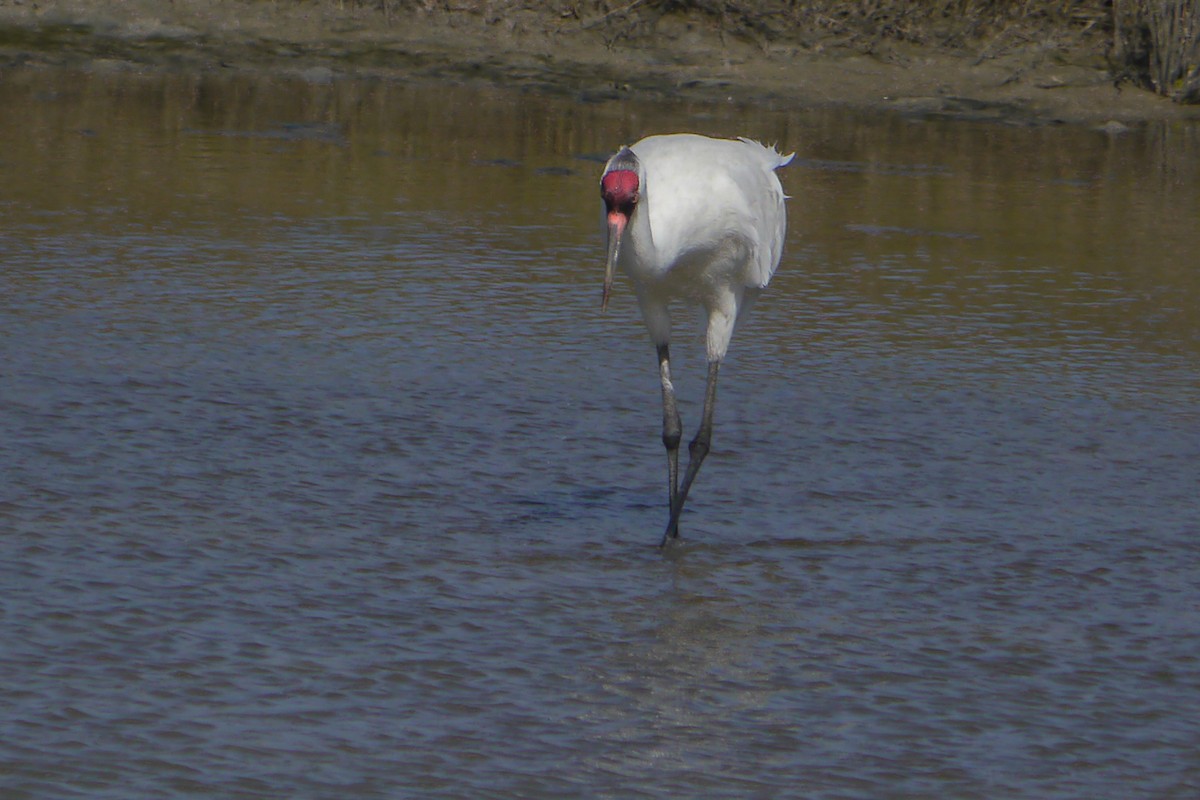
(944,23)
(1155,43)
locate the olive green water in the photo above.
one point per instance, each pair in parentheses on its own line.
(324,477)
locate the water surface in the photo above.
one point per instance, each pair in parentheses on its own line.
(324,476)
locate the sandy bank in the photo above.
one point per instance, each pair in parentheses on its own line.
(683,56)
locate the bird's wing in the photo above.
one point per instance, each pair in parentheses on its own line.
(706,187)
(765,198)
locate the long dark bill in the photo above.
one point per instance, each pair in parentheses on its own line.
(616,227)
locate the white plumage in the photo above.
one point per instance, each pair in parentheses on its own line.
(701,220)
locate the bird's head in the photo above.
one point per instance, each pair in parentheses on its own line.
(620,188)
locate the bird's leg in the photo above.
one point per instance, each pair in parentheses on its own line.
(672,431)
(697,450)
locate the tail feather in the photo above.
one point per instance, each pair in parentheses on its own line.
(775,156)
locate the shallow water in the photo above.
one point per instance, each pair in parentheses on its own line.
(324,476)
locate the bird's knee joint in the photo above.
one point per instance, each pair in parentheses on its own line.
(698,447)
(671,438)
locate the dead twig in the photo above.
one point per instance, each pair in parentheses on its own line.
(625,9)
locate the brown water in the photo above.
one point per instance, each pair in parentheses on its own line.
(324,477)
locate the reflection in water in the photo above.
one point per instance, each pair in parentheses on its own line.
(324,474)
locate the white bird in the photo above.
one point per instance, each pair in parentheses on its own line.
(700,220)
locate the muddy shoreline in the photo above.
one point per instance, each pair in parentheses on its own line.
(684,57)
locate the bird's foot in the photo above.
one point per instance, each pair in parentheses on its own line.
(671,534)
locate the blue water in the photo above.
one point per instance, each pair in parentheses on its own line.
(325,477)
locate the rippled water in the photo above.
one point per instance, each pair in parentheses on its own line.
(325,477)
